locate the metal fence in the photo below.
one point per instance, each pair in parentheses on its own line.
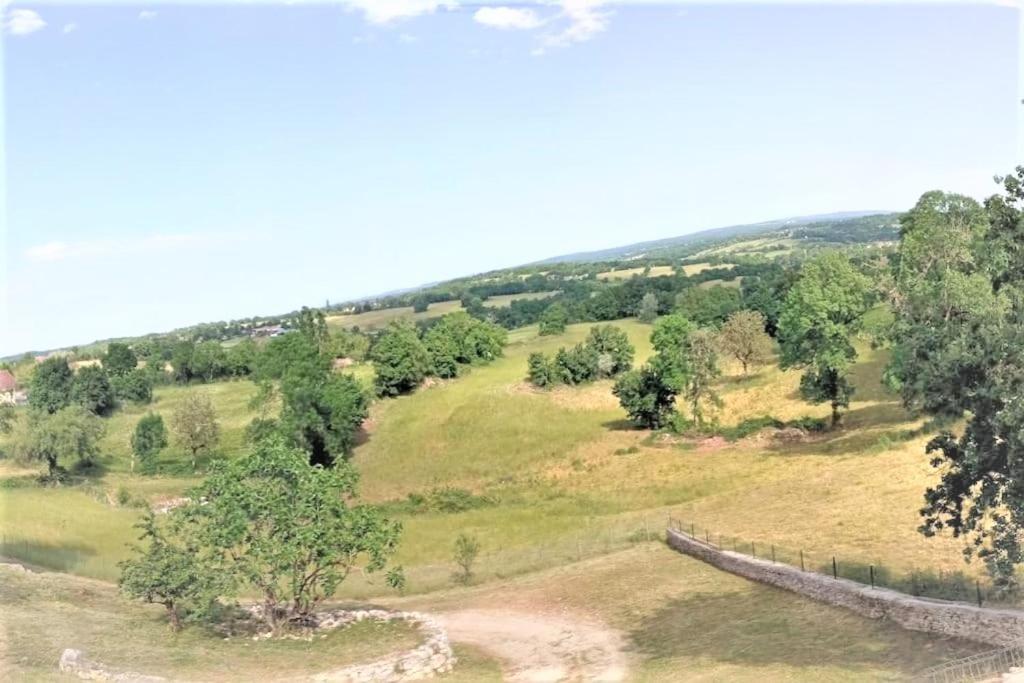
(980,667)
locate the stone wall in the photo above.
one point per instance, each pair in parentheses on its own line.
(431,658)
(999,627)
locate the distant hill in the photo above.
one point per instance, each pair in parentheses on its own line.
(638,249)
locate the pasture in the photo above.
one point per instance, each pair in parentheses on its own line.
(626,273)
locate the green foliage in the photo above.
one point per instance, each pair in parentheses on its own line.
(50,389)
(707,307)
(91,389)
(958,331)
(553,320)
(349,344)
(541,370)
(822,312)
(135,386)
(648,394)
(195,426)
(464,554)
(119,359)
(577,365)
(671,333)
(167,572)
(401,361)
(420,303)
(445,499)
(703,370)
(743,338)
(275,523)
(71,433)
(321,411)
(209,361)
(615,353)
(148,439)
(241,359)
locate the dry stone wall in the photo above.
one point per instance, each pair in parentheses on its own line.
(431,658)
(1001,627)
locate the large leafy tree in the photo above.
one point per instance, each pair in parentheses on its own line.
(71,433)
(702,371)
(119,359)
(289,530)
(614,351)
(648,394)
(554,319)
(958,335)
(822,313)
(50,389)
(91,389)
(400,359)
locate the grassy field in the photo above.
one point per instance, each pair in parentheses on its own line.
(696,268)
(374,320)
(627,273)
(553,465)
(683,620)
(46,613)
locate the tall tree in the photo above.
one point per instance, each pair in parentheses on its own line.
(702,371)
(553,320)
(648,308)
(743,337)
(195,425)
(822,312)
(148,439)
(50,389)
(958,335)
(648,394)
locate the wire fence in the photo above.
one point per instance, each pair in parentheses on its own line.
(984,666)
(928,583)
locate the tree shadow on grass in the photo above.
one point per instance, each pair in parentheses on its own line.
(863,430)
(766,626)
(622,425)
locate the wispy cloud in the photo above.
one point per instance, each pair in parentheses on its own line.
(407,38)
(584,18)
(147,15)
(505,18)
(70,28)
(387,11)
(21,22)
(59,251)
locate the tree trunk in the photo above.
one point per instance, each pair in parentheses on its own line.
(172,614)
(744,367)
(836,417)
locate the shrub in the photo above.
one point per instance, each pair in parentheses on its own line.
(465,553)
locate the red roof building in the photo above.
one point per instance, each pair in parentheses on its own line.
(7,382)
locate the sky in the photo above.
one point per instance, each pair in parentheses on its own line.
(179,163)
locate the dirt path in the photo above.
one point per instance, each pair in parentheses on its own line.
(540,648)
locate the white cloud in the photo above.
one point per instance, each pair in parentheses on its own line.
(586,19)
(386,11)
(507,18)
(58,251)
(407,38)
(21,22)
(70,28)
(147,15)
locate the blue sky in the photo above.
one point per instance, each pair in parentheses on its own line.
(172,164)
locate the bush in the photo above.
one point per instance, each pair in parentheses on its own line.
(465,553)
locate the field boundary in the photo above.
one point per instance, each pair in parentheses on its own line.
(998,627)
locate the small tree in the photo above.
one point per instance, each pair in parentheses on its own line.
(743,337)
(272,522)
(702,371)
(135,386)
(612,346)
(648,308)
(195,425)
(148,439)
(553,320)
(169,573)
(540,370)
(465,552)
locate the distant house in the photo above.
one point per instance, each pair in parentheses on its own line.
(267,331)
(9,393)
